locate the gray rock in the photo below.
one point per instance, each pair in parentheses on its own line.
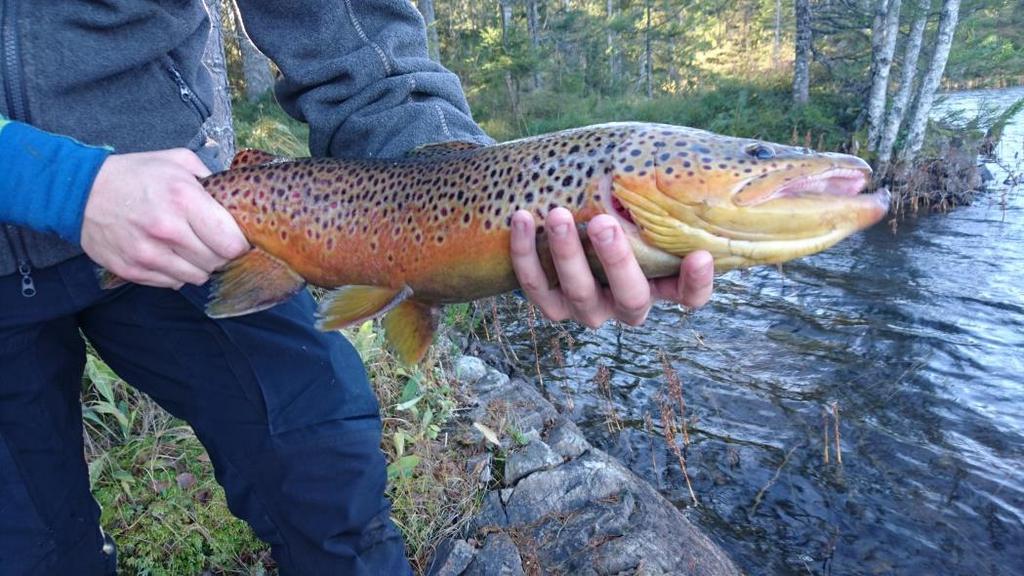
(573,508)
(480,465)
(452,559)
(498,557)
(469,369)
(492,513)
(593,513)
(491,380)
(522,462)
(512,401)
(566,440)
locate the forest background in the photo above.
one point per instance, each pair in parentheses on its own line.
(853,75)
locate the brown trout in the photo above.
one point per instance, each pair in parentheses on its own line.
(398,238)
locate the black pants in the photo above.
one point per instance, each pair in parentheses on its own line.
(286,413)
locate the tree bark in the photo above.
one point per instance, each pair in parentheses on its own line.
(257,78)
(506,19)
(533,29)
(926,93)
(908,71)
(802,62)
(218,126)
(614,60)
(648,63)
(777,40)
(887,19)
(433,42)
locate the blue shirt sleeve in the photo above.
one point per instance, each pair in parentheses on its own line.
(45,179)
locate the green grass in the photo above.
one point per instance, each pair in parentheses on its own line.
(161,502)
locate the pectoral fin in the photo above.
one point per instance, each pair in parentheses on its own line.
(410,329)
(355,304)
(250,283)
(108,280)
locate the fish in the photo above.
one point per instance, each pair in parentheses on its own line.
(399,238)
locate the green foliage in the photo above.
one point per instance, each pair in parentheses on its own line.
(156,486)
(430,492)
(169,517)
(265,126)
(988,49)
(757,110)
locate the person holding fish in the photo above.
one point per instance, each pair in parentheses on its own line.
(102,145)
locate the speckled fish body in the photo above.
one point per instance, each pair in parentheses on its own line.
(434,227)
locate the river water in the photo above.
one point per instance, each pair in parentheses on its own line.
(916,337)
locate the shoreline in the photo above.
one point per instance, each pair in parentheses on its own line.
(552,502)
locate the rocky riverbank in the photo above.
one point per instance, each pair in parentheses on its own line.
(554,504)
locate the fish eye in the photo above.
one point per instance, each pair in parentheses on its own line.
(760,151)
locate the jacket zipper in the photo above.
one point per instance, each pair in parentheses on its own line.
(187,95)
(28,285)
(16,110)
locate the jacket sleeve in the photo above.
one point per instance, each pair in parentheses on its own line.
(358,73)
(45,179)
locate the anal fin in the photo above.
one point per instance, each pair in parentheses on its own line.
(253,282)
(410,330)
(350,305)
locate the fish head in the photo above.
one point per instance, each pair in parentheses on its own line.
(748,202)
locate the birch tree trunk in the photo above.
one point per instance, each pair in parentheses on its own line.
(218,127)
(802,62)
(887,15)
(256,76)
(648,63)
(908,71)
(533,29)
(926,92)
(614,61)
(433,42)
(777,40)
(506,19)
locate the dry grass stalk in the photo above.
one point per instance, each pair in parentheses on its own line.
(556,348)
(669,428)
(531,315)
(835,421)
(675,388)
(824,429)
(649,428)
(775,477)
(603,380)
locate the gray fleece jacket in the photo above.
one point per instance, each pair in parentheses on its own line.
(128,74)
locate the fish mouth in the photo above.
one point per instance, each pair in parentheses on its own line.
(835,181)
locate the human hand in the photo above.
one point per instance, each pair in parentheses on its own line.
(149,221)
(628,296)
